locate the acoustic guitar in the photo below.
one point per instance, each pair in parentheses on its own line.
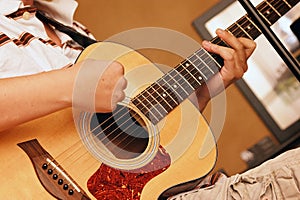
(153,145)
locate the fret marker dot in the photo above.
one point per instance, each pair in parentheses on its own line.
(249,27)
(268,12)
(164,95)
(187,64)
(200,78)
(175,86)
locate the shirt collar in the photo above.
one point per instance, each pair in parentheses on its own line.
(61,10)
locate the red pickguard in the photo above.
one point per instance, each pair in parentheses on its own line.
(113,184)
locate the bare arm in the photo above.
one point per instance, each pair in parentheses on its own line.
(30,97)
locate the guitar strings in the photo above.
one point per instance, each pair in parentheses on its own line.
(100,125)
(234,31)
(210,61)
(244,33)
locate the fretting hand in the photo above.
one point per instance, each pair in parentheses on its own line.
(235,64)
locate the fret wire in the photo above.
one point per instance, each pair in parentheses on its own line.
(187,76)
(250,20)
(229,31)
(141,106)
(212,60)
(240,30)
(245,25)
(148,109)
(233,30)
(162,97)
(202,52)
(263,16)
(159,98)
(194,72)
(153,105)
(270,12)
(137,103)
(203,75)
(184,79)
(167,93)
(197,63)
(249,25)
(185,82)
(195,60)
(181,99)
(165,99)
(176,83)
(188,65)
(181,85)
(160,103)
(282,7)
(245,22)
(273,8)
(180,79)
(184,72)
(174,79)
(169,85)
(280,4)
(157,102)
(287,3)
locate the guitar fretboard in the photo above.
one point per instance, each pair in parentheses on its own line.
(160,98)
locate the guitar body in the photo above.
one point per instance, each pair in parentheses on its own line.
(182,136)
(183,133)
(19,180)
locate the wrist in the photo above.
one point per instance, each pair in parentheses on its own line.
(61,81)
(67,77)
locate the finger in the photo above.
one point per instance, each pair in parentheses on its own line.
(118,93)
(117,67)
(235,44)
(230,39)
(249,46)
(123,83)
(225,52)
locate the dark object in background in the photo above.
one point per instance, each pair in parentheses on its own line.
(295,27)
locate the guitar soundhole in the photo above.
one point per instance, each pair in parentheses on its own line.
(123,132)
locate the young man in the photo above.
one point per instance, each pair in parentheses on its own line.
(38,73)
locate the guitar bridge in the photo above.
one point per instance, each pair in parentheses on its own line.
(51,175)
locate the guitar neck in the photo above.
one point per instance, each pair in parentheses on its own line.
(270,10)
(160,98)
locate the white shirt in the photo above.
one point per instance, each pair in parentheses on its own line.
(25,47)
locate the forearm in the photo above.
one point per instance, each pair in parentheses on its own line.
(30,97)
(209,90)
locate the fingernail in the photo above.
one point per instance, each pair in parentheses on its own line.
(206,44)
(219,31)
